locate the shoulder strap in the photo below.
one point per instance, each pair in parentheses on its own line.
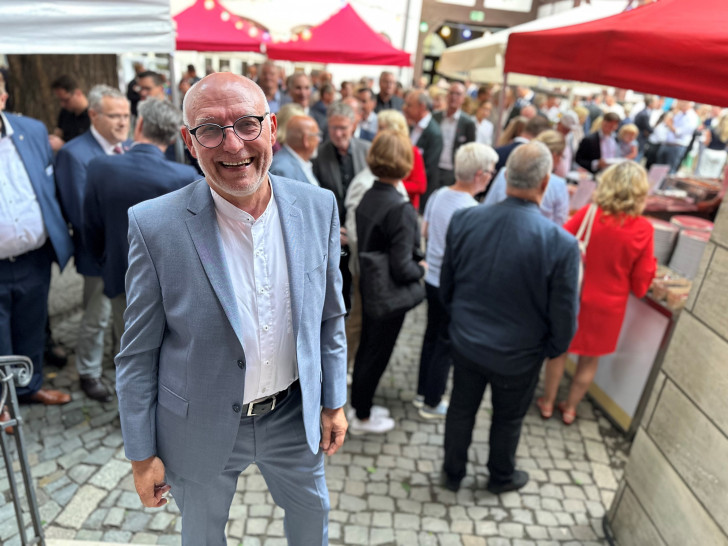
(585,229)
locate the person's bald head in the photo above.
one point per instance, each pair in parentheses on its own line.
(529,111)
(303,136)
(222,82)
(528,169)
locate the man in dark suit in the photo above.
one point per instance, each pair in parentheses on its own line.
(109,112)
(359,131)
(509,281)
(426,135)
(319,108)
(457,129)
(116,183)
(386,98)
(595,149)
(293,160)
(33,233)
(338,161)
(534,127)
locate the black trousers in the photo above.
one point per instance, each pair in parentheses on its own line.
(378,337)
(435,357)
(511,394)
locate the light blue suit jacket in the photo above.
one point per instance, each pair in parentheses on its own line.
(181,368)
(31,141)
(284,164)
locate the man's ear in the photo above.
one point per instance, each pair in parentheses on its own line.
(545,182)
(138,128)
(273,128)
(187,137)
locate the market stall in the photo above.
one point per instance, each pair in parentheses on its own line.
(613,51)
(208,26)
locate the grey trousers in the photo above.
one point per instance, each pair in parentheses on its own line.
(96,314)
(276,443)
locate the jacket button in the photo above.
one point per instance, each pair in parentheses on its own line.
(241,364)
(236,408)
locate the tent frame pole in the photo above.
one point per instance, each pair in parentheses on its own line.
(179,153)
(501,109)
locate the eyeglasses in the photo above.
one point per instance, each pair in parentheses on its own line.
(116,117)
(211,135)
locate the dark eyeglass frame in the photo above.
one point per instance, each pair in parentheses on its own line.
(222,128)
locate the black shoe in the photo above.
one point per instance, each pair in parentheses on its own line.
(520,478)
(448,483)
(95,389)
(55,355)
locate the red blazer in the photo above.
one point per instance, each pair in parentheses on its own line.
(416,181)
(619,258)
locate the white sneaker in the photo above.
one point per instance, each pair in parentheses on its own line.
(374,425)
(438,412)
(374,411)
(418,401)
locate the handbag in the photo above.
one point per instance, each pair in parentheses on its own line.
(583,235)
(382,297)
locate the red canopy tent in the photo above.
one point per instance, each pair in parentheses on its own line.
(675,48)
(208,26)
(342,38)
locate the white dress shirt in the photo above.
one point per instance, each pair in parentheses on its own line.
(307,166)
(106,146)
(21,220)
(256,260)
(370,123)
(448,126)
(419,128)
(685,124)
(484,133)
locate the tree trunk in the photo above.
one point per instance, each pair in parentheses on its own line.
(31,77)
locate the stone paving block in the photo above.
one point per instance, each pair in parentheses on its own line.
(95,536)
(109,475)
(63,495)
(135,521)
(81,506)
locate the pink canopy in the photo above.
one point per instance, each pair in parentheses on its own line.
(208,26)
(342,38)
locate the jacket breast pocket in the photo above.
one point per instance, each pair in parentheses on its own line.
(171,401)
(314,275)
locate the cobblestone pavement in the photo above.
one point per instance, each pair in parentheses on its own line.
(384,489)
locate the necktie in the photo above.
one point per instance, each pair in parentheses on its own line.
(118,149)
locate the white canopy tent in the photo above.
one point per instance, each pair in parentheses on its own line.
(85,26)
(481,60)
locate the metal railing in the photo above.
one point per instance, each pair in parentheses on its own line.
(18,370)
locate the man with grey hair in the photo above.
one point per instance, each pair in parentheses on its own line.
(426,135)
(339,160)
(116,183)
(509,282)
(473,170)
(109,112)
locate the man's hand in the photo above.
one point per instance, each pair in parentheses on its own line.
(56,142)
(334,425)
(149,481)
(343,237)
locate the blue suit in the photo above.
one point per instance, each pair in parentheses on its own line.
(181,369)
(24,282)
(286,165)
(114,184)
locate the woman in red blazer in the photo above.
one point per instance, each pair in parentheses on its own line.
(619,258)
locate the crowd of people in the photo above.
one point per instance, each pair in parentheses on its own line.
(246,291)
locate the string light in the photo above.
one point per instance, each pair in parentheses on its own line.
(239,25)
(445,31)
(225,16)
(253,32)
(467,34)
(424,27)
(306,34)
(209,4)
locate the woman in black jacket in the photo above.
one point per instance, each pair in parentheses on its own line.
(385,222)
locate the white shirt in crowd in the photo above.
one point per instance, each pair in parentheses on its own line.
(448,126)
(21,220)
(256,259)
(307,166)
(484,133)
(685,125)
(419,128)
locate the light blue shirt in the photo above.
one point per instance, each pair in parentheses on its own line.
(555,202)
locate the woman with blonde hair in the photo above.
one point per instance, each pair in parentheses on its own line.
(619,259)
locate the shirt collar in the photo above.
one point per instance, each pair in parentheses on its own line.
(7,129)
(424,122)
(232,212)
(298,157)
(455,116)
(106,146)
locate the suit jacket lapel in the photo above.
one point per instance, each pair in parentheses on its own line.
(292,226)
(205,235)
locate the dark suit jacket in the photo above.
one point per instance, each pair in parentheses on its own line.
(286,165)
(430,146)
(31,141)
(114,184)
(504,152)
(589,150)
(71,164)
(327,172)
(509,279)
(366,135)
(464,132)
(395,103)
(319,114)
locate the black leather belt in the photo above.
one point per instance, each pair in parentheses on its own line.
(261,407)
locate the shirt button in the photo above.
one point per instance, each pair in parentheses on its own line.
(265,327)
(267,362)
(241,364)
(236,408)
